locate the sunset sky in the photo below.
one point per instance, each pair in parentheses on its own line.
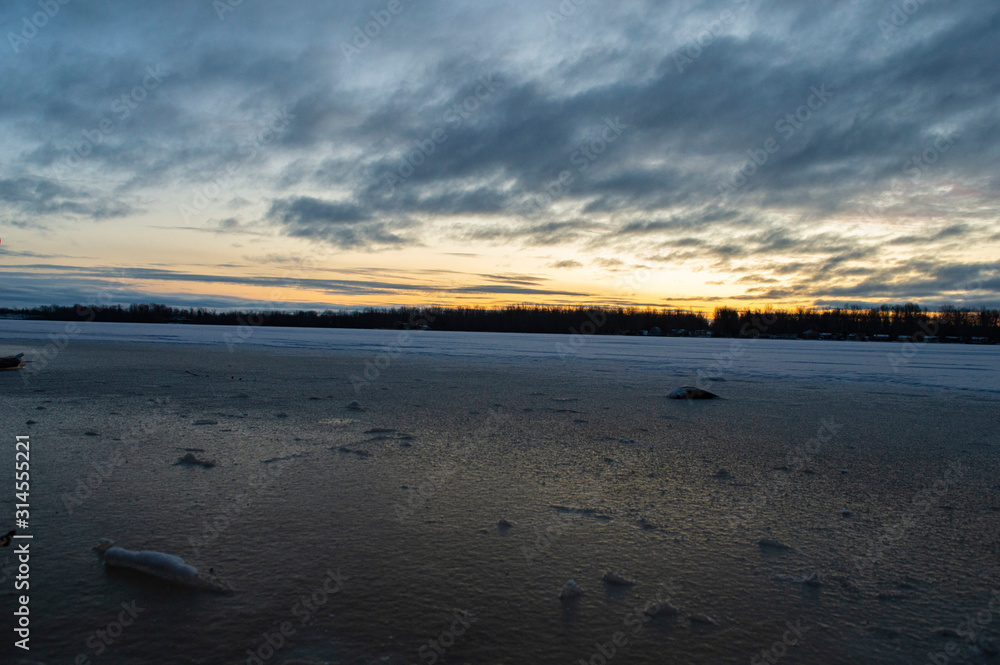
(263,154)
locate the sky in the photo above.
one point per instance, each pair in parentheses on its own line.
(326,155)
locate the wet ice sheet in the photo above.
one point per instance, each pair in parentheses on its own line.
(593,466)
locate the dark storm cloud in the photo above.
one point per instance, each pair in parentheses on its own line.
(626,127)
(343,225)
(42,197)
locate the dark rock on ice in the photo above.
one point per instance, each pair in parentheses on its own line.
(570,591)
(690,392)
(661,610)
(616,579)
(191,460)
(770,544)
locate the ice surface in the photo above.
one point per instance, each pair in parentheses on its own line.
(949,366)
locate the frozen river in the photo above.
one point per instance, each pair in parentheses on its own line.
(949,366)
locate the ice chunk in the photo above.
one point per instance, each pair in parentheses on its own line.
(570,591)
(617,579)
(158,564)
(690,392)
(161,565)
(660,610)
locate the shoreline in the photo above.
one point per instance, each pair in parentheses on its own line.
(967,368)
(916,338)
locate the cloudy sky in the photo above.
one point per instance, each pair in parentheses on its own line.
(250,153)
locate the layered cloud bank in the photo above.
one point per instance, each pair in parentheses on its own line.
(395,151)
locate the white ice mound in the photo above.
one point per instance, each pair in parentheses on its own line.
(161,565)
(158,564)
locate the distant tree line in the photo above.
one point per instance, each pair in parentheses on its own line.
(849,322)
(853,322)
(512,318)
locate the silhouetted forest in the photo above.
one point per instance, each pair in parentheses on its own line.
(875,323)
(896,322)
